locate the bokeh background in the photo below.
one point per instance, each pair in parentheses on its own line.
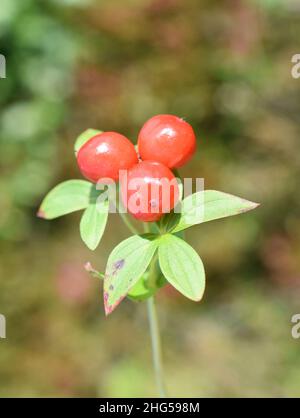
(225,66)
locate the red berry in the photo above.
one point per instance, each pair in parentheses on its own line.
(149,191)
(167,139)
(104,155)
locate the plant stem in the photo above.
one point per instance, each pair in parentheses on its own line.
(154,328)
(128,223)
(152,277)
(124,215)
(156,346)
(152,317)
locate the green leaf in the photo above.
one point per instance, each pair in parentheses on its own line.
(93,223)
(66,197)
(126,264)
(182,266)
(208,205)
(140,291)
(84,137)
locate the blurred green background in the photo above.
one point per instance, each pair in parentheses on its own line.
(225,66)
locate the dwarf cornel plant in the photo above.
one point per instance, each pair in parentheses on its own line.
(146,261)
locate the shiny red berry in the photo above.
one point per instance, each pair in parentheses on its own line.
(104,155)
(167,139)
(149,189)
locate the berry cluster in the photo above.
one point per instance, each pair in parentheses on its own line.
(141,264)
(165,142)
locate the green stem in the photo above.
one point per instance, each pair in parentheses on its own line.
(129,225)
(156,346)
(124,215)
(152,277)
(152,317)
(154,328)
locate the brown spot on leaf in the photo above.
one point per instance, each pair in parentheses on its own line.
(118,265)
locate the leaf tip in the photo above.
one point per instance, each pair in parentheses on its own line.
(91,247)
(199,298)
(41,214)
(250,206)
(109,308)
